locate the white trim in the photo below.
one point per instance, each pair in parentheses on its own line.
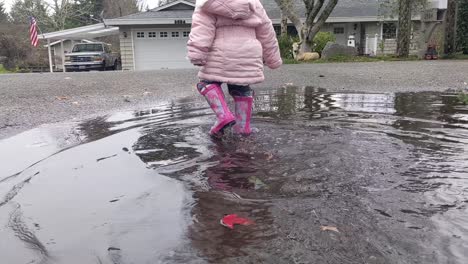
(147,21)
(159,21)
(133,50)
(63,56)
(97,30)
(50,56)
(172,4)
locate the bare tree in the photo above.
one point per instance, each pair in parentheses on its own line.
(316,14)
(118,8)
(69,13)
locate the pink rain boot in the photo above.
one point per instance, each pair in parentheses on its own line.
(243,114)
(215,97)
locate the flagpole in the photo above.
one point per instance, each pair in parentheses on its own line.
(49,50)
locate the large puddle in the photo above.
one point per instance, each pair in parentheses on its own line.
(388,170)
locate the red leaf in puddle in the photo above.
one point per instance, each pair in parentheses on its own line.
(230,220)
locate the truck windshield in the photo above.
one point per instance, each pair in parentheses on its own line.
(87,48)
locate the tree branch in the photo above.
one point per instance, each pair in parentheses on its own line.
(309,4)
(322,19)
(315,11)
(287,7)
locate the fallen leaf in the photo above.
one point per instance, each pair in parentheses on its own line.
(61,98)
(329,228)
(230,220)
(269,156)
(258,184)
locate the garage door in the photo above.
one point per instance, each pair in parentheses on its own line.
(161,49)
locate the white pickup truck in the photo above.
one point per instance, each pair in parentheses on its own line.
(91,56)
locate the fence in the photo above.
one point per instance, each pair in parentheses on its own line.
(372,45)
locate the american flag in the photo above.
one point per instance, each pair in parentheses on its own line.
(33,32)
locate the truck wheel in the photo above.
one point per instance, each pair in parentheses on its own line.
(116,66)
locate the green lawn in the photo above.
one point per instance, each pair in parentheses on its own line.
(457,56)
(353,59)
(3,70)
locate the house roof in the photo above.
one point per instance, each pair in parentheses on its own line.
(345,11)
(89,32)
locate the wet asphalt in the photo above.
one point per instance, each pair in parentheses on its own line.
(328,177)
(29,100)
(128,174)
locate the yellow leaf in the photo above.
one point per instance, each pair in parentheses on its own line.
(329,228)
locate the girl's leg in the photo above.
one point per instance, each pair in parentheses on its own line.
(215,97)
(243,100)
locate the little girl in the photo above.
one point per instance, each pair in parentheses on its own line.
(231,40)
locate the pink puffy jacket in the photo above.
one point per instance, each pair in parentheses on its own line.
(232,39)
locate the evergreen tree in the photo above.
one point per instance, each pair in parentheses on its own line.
(462,26)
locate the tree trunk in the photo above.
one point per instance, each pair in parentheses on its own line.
(316,15)
(404,28)
(284,25)
(450,27)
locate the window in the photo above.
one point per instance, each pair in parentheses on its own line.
(175,34)
(88,48)
(186,34)
(389,30)
(163,34)
(338,30)
(151,34)
(140,34)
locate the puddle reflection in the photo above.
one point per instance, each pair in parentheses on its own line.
(388,170)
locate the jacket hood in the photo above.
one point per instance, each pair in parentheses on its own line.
(234,9)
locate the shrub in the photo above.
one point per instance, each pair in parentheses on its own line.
(17,50)
(321,40)
(463,98)
(285,45)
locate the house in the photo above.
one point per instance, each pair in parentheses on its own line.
(157,39)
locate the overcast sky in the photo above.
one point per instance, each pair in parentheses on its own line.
(9,3)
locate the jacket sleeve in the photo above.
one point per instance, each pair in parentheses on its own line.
(267,36)
(201,36)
